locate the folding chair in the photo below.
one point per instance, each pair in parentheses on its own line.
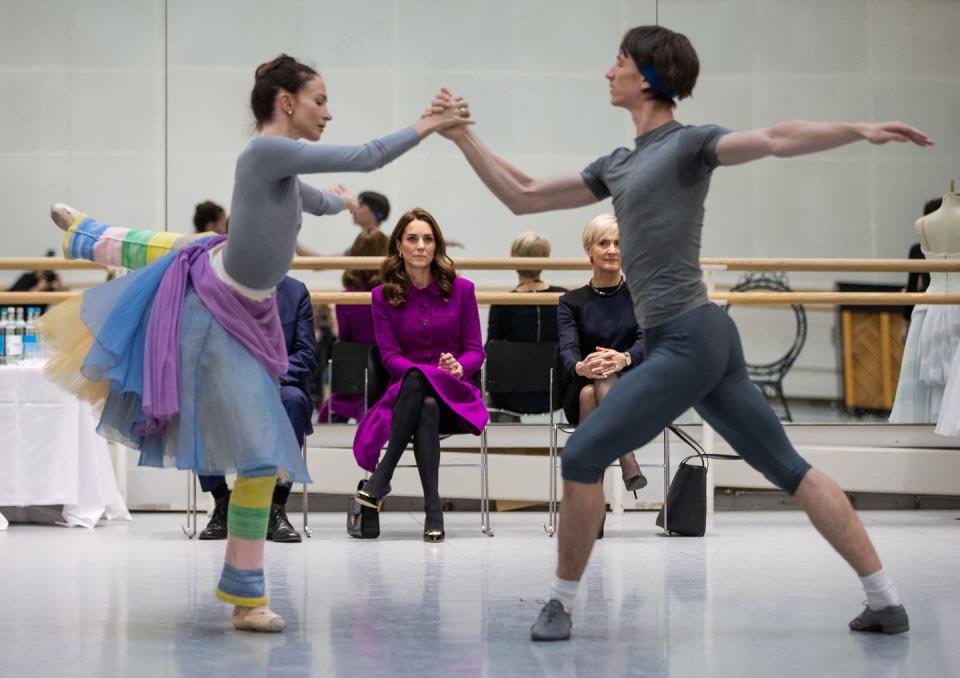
(521,367)
(348,376)
(556,427)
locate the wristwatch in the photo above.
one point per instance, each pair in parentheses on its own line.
(629,360)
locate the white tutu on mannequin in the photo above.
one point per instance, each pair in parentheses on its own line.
(929,355)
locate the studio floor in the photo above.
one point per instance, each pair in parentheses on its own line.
(761,595)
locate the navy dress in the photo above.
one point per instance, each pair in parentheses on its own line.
(588,318)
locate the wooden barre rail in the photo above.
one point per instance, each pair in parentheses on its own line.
(543,298)
(554,264)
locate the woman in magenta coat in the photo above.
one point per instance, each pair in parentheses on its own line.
(428,333)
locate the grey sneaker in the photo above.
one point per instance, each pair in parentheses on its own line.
(554,623)
(892,619)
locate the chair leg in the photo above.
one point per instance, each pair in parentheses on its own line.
(190,529)
(305,498)
(484,487)
(551,525)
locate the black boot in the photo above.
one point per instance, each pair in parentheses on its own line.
(279,528)
(217,527)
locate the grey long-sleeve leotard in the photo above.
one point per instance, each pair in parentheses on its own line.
(268,198)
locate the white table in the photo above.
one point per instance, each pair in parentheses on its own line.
(50,453)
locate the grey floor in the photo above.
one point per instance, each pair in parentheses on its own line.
(762,595)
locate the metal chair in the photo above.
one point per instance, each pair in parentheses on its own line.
(348,376)
(378,385)
(521,367)
(349,367)
(557,427)
(769,376)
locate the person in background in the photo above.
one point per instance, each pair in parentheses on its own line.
(39,281)
(209,217)
(355,321)
(599,337)
(534,324)
(427,327)
(296,317)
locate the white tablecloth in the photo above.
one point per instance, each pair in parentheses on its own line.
(50,452)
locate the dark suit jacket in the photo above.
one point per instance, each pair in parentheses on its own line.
(296,316)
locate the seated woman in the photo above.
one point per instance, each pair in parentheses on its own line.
(355,321)
(599,337)
(535,324)
(428,333)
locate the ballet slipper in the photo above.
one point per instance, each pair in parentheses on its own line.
(65,216)
(261,619)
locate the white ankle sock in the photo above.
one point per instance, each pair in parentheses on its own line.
(564,591)
(880,590)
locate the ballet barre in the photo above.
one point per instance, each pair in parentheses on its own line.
(550,298)
(553,264)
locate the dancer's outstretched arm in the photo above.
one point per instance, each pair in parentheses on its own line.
(277,157)
(520,193)
(799,138)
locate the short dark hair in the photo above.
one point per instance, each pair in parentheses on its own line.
(932,206)
(670,54)
(378,204)
(283,73)
(205,214)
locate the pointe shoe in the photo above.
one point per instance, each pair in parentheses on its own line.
(65,216)
(261,619)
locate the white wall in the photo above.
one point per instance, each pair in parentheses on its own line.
(83,115)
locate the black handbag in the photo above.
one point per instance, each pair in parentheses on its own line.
(363,522)
(687,497)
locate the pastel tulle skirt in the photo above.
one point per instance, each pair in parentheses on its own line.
(926,366)
(231,418)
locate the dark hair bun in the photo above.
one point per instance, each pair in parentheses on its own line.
(265,68)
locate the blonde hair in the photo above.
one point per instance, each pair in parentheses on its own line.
(599,226)
(530,244)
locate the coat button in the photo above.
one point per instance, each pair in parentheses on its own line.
(424,322)
(422,307)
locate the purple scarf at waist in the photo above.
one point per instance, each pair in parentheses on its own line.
(255,324)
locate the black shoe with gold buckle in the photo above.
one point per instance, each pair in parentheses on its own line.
(365,498)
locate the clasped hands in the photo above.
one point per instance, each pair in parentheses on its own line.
(454,108)
(450,364)
(601,363)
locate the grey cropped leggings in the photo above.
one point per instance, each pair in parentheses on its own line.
(694,360)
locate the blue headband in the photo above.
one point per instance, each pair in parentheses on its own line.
(650,73)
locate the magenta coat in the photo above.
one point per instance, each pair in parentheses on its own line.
(412,336)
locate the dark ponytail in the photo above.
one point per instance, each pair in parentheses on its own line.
(283,73)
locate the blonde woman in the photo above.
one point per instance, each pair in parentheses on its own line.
(599,336)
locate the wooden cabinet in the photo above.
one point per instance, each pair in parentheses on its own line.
(870,339)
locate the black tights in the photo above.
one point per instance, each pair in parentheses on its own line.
(416,414)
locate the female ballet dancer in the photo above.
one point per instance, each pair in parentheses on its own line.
(183,354)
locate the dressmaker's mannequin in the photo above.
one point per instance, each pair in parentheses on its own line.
(940,230)
(929,353)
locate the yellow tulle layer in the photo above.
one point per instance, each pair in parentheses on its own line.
(66,342)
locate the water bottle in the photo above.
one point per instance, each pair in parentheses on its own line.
(14,338)
(3,336)
(30,347)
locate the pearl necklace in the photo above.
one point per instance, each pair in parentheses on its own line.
(604,293)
